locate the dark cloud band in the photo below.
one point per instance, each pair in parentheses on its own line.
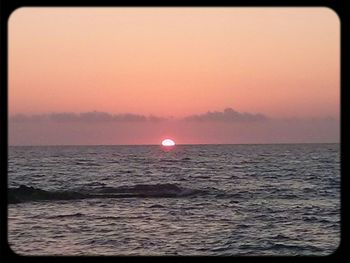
(93,116)
(228,115)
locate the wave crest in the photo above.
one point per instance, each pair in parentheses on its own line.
(27,193)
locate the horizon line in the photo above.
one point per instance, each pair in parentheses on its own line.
(177,144)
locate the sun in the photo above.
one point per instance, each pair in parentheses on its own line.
(168,142)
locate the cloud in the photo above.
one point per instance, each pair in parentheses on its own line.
(27,118)
(90,117)
(103,128)
(228,115)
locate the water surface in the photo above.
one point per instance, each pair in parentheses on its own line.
(190,200)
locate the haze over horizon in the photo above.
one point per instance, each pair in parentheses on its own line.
(213,127)
(196,75)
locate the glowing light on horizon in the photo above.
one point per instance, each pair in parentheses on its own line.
(168,142)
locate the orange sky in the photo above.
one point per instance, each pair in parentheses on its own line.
(281,62)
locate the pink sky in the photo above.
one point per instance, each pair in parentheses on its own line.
(282,63)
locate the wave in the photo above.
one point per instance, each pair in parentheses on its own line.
(301,247)
(25,193)
(66,215)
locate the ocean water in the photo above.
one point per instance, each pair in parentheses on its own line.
(281,199)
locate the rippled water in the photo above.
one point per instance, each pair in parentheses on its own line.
(190,200)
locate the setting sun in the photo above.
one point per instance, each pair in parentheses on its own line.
(168,142)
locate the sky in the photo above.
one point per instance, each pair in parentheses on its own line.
(197,75)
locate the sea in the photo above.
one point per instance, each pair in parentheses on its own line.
(185,200)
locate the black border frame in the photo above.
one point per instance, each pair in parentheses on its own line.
(338,6)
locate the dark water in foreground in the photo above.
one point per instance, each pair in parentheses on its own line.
(191,200)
